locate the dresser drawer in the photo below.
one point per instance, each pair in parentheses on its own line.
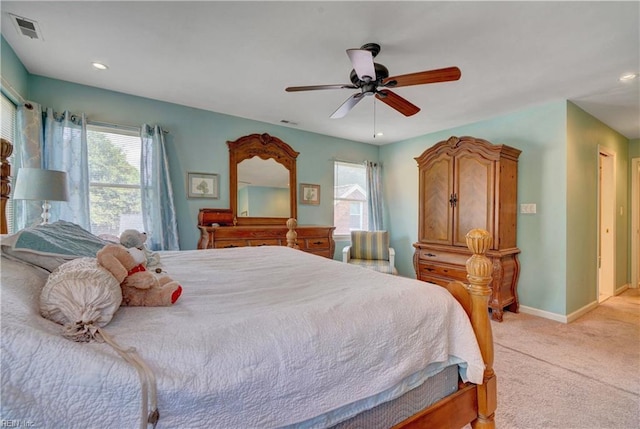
(223,244)
(317,243)
(265,242)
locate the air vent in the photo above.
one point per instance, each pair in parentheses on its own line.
(27,27)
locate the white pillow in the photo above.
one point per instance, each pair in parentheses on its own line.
(81,295)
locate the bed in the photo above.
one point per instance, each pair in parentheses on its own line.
(261,337)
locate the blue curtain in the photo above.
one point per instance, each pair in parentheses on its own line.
(27,153)
(158,210)
(374,192)
(65,149)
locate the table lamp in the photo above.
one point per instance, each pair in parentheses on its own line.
(41,185)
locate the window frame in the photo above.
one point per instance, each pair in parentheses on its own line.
(342,236)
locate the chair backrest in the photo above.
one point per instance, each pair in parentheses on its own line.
(370,245)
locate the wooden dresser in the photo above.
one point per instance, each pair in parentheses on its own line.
(467,183)
(311,238)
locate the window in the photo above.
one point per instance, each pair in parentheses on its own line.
(350,210)
(8,132)
(114,180)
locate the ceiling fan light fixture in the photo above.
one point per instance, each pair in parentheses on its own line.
(628,77)
(99,66)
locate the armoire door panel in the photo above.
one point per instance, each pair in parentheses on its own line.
(436,183)
(474,187)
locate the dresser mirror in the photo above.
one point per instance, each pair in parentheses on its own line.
(262,180)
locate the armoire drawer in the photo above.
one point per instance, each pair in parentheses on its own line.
(446,271)
(441,256)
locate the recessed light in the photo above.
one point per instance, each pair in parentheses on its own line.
(380,134)
(628,76)
(99,66)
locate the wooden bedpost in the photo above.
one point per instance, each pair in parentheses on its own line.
(292,235)
(5,171)
(479,269)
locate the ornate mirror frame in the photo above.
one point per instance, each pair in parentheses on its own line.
(265,147)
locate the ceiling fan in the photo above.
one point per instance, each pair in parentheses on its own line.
(373,79)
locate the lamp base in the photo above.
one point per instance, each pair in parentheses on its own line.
(45,212)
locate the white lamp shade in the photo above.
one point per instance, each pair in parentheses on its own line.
(39,184)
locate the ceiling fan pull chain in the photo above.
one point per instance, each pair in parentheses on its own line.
(374,117)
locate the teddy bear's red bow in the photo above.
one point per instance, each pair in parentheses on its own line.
(136,269)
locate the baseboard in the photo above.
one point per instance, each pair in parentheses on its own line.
(544,314)
(559,317)
(622,289)
(581,312)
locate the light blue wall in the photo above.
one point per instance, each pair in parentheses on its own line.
(585,135)
(13,72)
(539,133)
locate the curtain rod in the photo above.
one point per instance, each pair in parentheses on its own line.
(347,161)
(108,124)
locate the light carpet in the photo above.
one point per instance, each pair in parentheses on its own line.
(582,375)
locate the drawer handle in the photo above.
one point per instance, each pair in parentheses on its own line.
(229,246)
(317,242)
(431,255)
(430,269)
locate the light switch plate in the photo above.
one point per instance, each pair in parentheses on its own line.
(528,208)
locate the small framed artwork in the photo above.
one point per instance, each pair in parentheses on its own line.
(309,194)
(202,185)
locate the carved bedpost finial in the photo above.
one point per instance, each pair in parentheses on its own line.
(292,235)
(479,269)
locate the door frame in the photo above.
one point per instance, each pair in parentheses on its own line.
(635,222)
(611,207)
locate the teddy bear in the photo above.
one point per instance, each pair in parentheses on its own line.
(132,238)
(140,287)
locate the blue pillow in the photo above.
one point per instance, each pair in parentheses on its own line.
(48,246)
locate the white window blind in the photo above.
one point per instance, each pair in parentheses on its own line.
(114,179)
(8,132)
(349,198)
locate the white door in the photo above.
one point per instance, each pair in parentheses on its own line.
(606,216)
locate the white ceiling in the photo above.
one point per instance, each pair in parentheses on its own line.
(237,57)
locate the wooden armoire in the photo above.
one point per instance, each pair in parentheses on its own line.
(467,183)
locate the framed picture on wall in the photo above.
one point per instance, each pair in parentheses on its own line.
(309,194)
(203,185)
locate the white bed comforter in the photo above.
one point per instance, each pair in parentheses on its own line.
(261,337)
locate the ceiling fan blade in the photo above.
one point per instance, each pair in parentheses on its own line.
(393,100)
(315,87)
(430,76)
(342,111)
(362,61)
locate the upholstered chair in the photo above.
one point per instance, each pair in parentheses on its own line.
(370,249)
